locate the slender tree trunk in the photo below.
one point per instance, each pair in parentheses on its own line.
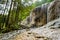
(8,17)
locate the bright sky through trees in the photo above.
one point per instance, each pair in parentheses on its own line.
(36,0)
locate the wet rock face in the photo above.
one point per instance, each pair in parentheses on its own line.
(53,24)
(43,14)
(38,16)
(53,10)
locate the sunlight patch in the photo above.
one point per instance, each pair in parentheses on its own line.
(40,0)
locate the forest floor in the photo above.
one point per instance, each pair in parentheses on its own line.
(50,31)
(33,34)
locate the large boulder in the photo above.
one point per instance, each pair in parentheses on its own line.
(37,17)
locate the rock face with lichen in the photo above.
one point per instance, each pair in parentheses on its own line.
(53,11)
(37,17)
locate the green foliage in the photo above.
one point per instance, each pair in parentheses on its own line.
(10,22)
(38,3)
